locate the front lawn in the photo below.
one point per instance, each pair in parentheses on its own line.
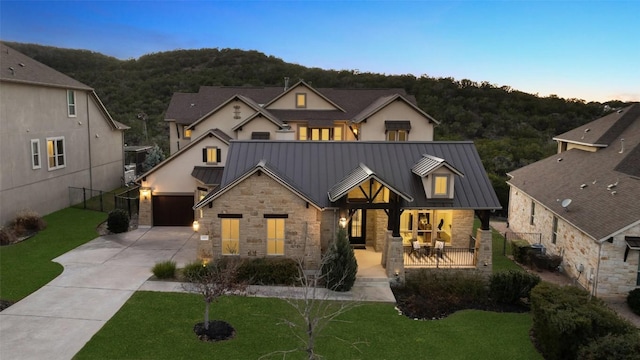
(25,267)
(159,326)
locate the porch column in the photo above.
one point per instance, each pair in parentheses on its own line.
(395,260)
(145,208)
(484,244)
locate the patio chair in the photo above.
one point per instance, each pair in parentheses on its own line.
(440,249)
(415,248)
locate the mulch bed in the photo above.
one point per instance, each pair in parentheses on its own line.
(218,331)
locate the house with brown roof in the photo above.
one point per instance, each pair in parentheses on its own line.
(55,133)
(207,121)
(584,202)
(414,202)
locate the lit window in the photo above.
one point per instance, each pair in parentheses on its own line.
(397,135)
(35,154)
(230,236)
(275,236)
(187,133)
(440,185)
(55,153)
(211,155)
(301,100)
(554,235)
(337,133)
(302,132)
(71,102)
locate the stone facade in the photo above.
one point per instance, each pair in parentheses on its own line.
(255,197)
(598,267)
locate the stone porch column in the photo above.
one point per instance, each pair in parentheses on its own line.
(484,245)
(395,260)
(145,208)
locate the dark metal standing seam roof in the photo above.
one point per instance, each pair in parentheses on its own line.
(314,167)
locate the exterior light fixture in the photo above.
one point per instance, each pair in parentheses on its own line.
(343,222)
(196,226)
(145,193)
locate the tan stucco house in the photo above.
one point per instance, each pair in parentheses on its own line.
(584,202)
(413,201)
(55,133)
(202,125)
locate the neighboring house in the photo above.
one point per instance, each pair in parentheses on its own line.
(584,202)
(287,198)
(217,115)
(55,133)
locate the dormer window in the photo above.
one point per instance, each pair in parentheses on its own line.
(187,133)
(440,185)
(397,130)
(301,100)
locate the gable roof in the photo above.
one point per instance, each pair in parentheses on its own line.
(359,175)
(316,167)
(430,163)
(252,104)
(301,84)
(186,108)
(208,175)
(597,209)
(383,102)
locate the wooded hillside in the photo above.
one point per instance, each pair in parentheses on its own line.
(510,128)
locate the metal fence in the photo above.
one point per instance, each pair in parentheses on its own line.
(448,257)
(105,201)
(510,236)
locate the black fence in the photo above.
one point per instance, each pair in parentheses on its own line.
(510,236)
(431,257)
(105,201)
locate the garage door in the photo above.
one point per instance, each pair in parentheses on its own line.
(173,210)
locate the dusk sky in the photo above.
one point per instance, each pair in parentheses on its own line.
(575,49)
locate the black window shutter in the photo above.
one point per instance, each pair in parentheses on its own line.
(218,155)
(204,155)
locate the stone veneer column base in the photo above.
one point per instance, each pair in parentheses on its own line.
(394,258)
(484,239)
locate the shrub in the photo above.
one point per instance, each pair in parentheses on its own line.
(339,267)
(567,318)
(626,346)
(510,286)
(194,271)
(28,221)
(7,236)
(520,249)
(269,271)
(633,300)
(118,221)
(545,261)
(165,269)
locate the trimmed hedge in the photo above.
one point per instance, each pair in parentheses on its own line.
(520,249)
(194,271)
(568,318)
(118,221)
(509,287)
(608,347)
(633,300)
(269,271)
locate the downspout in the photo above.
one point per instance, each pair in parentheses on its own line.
(89,138)
(594,291)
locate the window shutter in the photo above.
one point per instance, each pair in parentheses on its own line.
(204,155)
(218,155)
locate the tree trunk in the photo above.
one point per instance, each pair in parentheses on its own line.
(206,315)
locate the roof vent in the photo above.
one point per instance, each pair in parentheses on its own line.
(583,186)
(13,71)
(621,146)
(565,204)
(22,65)
(619,111)
(585,132)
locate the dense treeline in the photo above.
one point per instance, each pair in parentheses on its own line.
(510,128)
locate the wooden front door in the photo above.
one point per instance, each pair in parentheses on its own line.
(357,228)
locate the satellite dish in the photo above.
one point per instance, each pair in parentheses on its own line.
(566,203)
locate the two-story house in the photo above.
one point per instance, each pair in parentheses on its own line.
(55,133)
(584,202)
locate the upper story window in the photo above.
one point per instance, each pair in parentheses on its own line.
(35,154)
(397,130)
(301,100)
(320,134)
(533,213)
(397,135)
(71,103)
(55,153)
(187,133)
(554,234)
(211,155)
(440,185)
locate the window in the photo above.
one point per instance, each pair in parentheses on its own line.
(554,235)
(397,135)
(337,133)
(55,153)
(533,213)
(302,132)
(440,185)
(638,279)
(71,103)
(230,236)
(187,133)
(301,100)
(35,154)
(211,155)
(319,134)
(275,236)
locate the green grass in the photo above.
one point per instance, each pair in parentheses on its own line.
(160,326)
(25,267)
(502,262)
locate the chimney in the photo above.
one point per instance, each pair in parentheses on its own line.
(286,83)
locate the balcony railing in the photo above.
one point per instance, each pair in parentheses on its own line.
(449,257)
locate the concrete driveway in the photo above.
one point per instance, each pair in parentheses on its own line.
(56,321)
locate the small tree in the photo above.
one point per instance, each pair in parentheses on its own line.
(154,157)
(339,267)
(220,278)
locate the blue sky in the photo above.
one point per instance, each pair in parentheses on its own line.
(575,49)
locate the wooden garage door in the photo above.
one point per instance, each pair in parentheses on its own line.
(173,210)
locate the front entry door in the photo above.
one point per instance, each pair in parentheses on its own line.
(357,228)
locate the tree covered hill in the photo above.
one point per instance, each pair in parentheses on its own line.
(511,128)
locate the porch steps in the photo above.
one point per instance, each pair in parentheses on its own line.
(371,281)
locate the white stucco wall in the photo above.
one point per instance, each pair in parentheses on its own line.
(374,130)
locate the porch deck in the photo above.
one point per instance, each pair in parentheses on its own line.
(447,258)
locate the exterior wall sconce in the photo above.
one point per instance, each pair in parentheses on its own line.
(343,222)
(145,193)
(196,226)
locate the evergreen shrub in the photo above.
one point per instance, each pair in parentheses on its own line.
(510,286)
(118,221)
(339,266)
(620,346)
(269,271)
(633,300)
